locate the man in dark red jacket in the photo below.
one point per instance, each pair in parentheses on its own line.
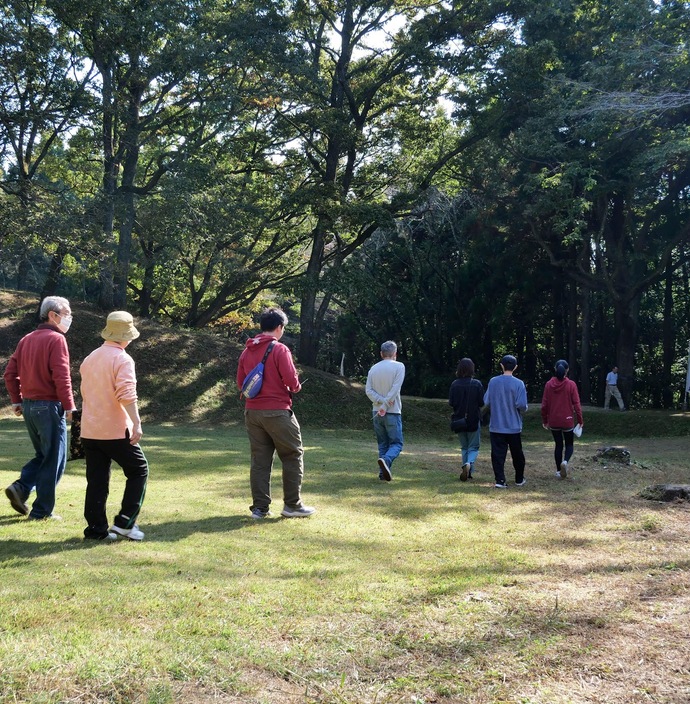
(38,380)
(269,419)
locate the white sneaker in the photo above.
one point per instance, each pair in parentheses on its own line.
(300,512)
(563,471)
(132,533)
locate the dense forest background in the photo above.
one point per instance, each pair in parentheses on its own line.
(467,178)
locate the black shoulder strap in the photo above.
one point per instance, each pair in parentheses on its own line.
(270,347)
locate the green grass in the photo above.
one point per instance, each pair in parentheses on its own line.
(421,590)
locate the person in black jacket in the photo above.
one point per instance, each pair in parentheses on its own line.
(466,398)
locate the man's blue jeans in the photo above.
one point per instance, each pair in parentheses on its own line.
(389,436)
(45,421)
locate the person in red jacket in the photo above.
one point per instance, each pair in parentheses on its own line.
(38,380)
(560,410)
(270,421)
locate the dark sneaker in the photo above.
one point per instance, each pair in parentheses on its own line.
(51,517)
(500,485)
(258,513)
(17,500)
(109,537)
(385,470)
(300,512)
(465,472)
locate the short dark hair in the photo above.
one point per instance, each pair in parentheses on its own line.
(271,319)
(465,368)
(508,362)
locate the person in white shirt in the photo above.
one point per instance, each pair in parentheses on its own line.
(612,390)
(384,382)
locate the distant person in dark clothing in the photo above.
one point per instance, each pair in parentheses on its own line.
(560,411)
(466,398)
(38,380)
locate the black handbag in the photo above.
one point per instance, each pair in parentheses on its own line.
(459,425)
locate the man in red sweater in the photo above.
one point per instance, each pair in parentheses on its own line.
(269,419)
(38,380)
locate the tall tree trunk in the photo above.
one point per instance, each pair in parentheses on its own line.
(585,383)
(572,331)
(110,168)
(627,315)
(53,276)
(669,341)
(129,171)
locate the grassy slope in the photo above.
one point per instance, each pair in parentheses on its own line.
(188,376)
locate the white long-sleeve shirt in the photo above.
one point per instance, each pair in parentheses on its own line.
(384,381)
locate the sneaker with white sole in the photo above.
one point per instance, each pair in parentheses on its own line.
(465,472)
(500,485)
(259,514)
(132,533)
(522,483)
(299,512)
(563,471)
(384,470)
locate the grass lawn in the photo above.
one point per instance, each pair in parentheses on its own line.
(420,590)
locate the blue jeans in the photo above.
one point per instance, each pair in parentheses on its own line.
(45,421)
(469,443)
(389,436)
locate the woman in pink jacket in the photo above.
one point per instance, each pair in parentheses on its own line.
(560,411)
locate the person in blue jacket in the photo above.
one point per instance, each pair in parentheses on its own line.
(506,397)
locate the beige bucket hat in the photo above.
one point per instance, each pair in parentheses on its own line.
(119,327)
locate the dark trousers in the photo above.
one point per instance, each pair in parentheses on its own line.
(500,444)
(562,438)
(99,457)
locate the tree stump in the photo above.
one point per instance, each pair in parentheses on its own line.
(666,492)
(621,455)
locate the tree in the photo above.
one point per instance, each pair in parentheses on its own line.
(42,96)
(373,72)
(610,183)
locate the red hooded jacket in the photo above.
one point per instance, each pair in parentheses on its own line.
(560,405)
(280,376)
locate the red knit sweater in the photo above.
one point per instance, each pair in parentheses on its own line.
(39,368)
